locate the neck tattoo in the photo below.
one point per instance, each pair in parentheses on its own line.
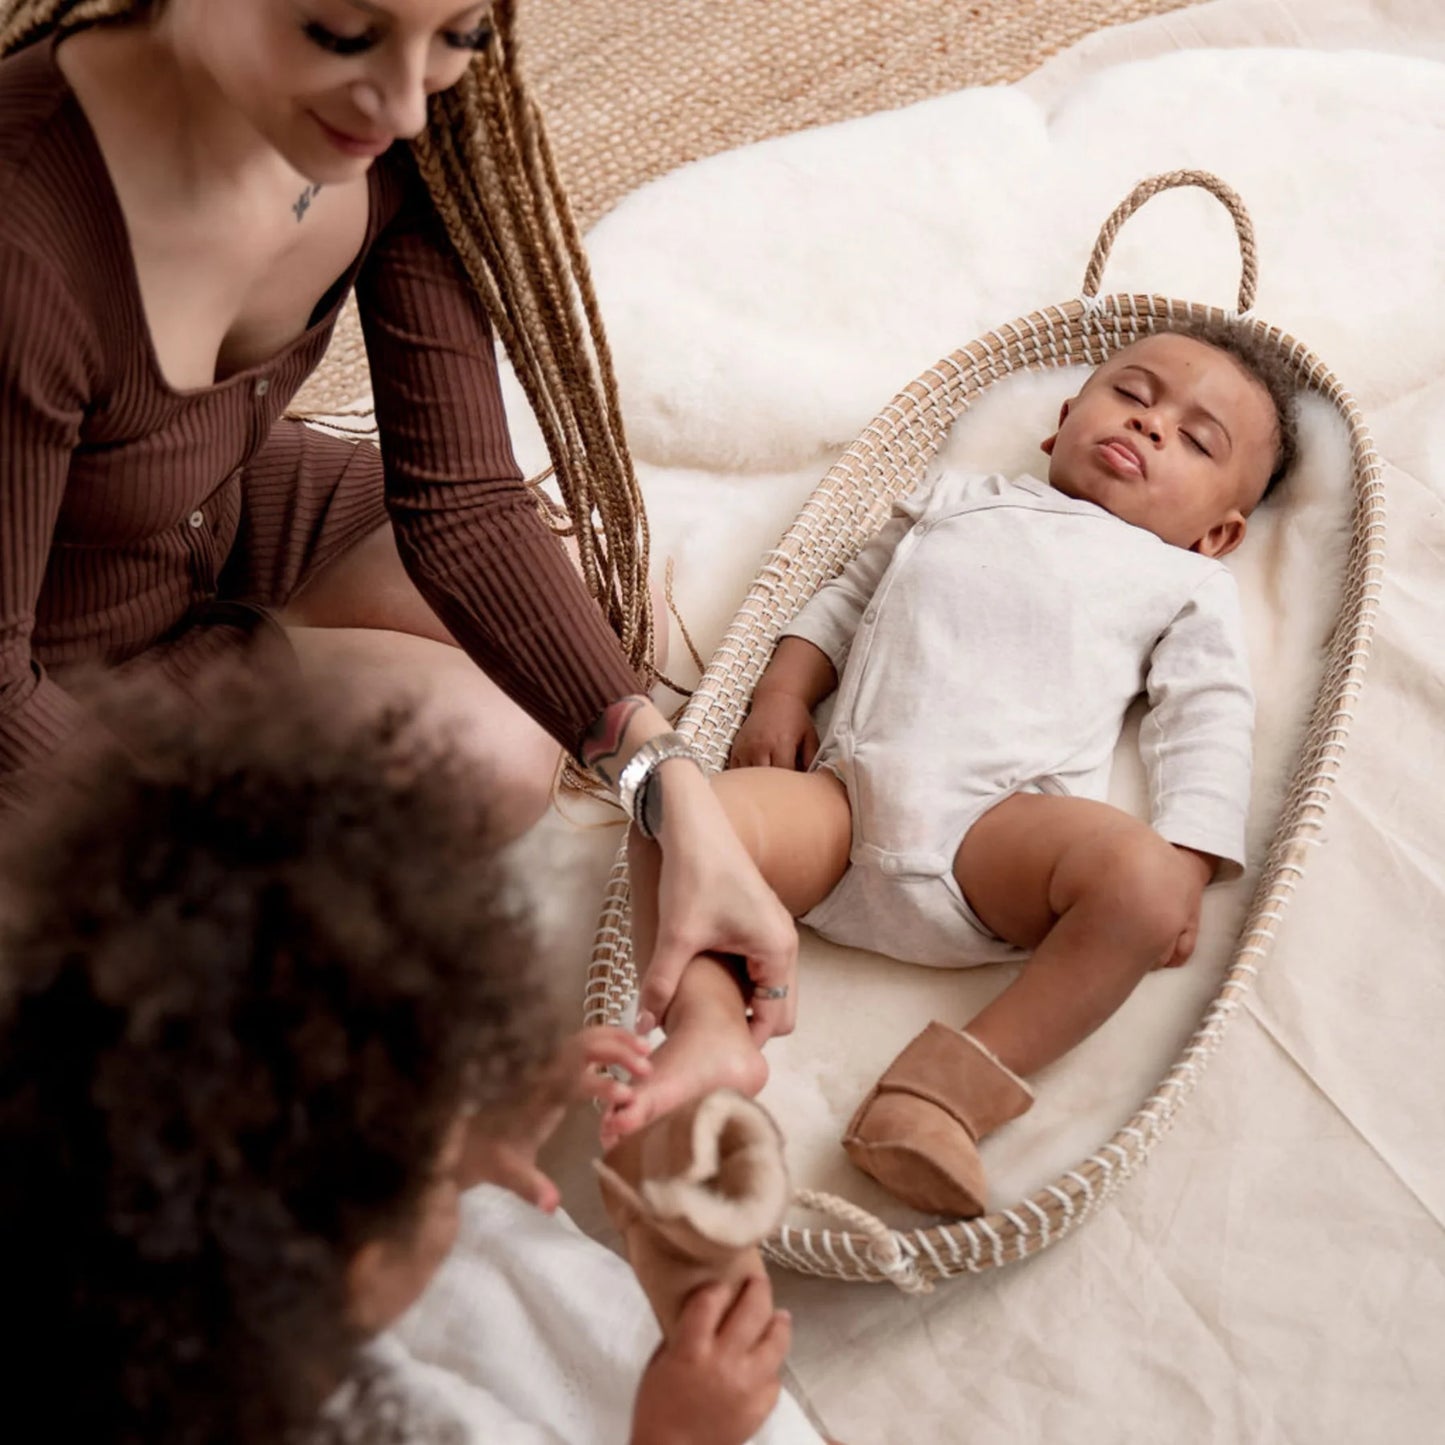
(302,203)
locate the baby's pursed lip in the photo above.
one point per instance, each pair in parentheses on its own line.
(1123,455)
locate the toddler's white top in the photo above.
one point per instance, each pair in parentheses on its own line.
(530,1334)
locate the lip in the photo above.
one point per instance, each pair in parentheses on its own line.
(352,145)
(1122,456)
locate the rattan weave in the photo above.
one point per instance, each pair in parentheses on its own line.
(848,506)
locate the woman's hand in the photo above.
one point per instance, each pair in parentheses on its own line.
(717,1379)
(778,732)
(712,899)
(506,1153)
(710,896)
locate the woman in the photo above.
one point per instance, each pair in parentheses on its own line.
(193,187)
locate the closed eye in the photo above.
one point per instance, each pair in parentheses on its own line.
(1197,444)
(477,38)
(1124,391)
(318,34)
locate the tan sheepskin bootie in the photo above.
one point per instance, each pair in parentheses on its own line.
(693,1194)
(917,1131)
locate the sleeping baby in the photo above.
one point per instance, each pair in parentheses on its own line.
(985,647)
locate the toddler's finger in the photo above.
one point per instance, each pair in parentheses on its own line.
(604,1089)
(607,1046)
(777,1340)
(698,1320)
(750,1315)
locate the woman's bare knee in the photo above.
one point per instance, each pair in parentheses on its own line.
(516,758)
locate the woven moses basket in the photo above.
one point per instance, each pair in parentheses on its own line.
(886,462)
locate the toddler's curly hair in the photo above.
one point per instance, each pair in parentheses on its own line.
(255,962)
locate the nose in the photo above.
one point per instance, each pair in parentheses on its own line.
(393,96)
(1150,426)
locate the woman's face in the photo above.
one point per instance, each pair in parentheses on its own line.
(330,84)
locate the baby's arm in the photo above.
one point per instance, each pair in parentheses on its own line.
(778,731)
(1196,738)
(808,662)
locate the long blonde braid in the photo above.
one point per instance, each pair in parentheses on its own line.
(487,165)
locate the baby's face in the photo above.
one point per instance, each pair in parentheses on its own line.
(1170,435)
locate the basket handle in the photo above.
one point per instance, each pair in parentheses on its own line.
(1243,226)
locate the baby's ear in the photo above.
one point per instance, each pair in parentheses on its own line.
(1223,537)
(1047,445)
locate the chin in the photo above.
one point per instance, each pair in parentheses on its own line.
(322,166)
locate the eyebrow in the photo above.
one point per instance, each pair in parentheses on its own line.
(1163,385)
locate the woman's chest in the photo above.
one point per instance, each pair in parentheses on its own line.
(226,290)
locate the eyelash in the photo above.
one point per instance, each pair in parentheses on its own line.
(478,38)
(348,45)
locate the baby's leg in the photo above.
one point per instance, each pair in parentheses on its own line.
(797,828)
(1100,898)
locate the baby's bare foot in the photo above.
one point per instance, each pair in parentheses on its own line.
(696,1058)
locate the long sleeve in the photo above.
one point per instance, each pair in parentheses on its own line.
(45,366)
(468,529)
(829,619)
(1196,737)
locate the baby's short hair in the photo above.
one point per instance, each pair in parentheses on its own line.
(257,960)
(1267,365)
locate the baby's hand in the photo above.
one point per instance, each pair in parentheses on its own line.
(1195,871)
(505,1152)
(778,732)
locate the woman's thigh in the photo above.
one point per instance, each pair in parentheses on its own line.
(308,500)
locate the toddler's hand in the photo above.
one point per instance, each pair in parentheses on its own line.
(717,1379)
(505,1152)
(778,732)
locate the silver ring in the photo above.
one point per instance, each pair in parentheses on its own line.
(761,991)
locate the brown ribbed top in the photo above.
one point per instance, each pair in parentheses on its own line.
(103,465)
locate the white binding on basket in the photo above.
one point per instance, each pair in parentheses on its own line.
(851,502)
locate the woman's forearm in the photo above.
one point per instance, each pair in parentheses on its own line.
(618,732)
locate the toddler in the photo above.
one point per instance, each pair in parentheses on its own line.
(267,1009)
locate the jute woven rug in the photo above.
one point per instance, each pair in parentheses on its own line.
(631,89)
